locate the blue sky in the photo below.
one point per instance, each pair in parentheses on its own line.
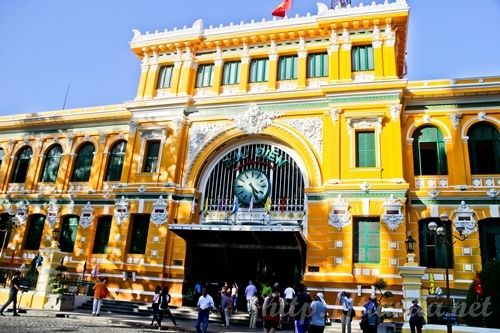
(46,45)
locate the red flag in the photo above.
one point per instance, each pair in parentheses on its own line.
(11,261)
(478,288)
(282,8)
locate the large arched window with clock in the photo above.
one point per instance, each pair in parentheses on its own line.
(259,176)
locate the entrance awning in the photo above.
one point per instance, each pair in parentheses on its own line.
(241,236)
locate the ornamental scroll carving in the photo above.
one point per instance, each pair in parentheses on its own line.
(393,216)
(312,129)
(464,218)
(254,120)
(339,215)
(52,214)
(121,210)
(87,215)
(159,214)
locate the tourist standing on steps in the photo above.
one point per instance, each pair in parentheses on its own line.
(205,305)
(299,309)
(272,311)
(100,292)
(250,291)
(164,308)
(254,311)
(15,287)
(234,296)
(347,311)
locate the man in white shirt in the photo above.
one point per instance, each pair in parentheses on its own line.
(288,293)
(205,304)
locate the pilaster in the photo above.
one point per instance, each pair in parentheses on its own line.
(345,57)
(389,53)
(273,67)
(378,59)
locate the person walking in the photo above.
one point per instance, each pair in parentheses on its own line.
(100,292)
(347,311)
(370,316)
(205,304)
(227,305)
(250,291)
(254,312)
(156,306)
(15,287)
(272,311)
(417,319)
(289,293)
(318,314)
(164,308)
(234,296)
(300,308)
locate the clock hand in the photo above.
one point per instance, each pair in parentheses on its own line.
(254,191)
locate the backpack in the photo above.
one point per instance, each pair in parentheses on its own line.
(165,299)
(104,292)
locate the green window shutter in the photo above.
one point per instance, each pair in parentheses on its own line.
(317,65)
(51,164)
(22,165)
(139,234)
(231,73)
(484,149)
(151,158)
(115,163)
(287,68)
(34,233)
(259,70)
(83,163)
(68,233)
(102,234)
(365,149)
(429,152)
(165,77)
(433,254)
(362,58)
(204,76)
(367,241)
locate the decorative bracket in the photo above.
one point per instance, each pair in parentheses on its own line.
(87,215)
(52,214)
(159,214)
(393,215)
(254,120)
(464,219)
(121,210)
(339,215)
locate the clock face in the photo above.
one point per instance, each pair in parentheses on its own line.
(251,183)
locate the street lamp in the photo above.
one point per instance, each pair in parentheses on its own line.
(441,236)
(410,243)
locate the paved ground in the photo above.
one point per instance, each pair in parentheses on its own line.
(49,321)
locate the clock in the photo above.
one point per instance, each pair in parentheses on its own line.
(251,183)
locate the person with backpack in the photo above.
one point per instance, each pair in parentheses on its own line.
(156,306)
(100,292)
(318,314)
(226,307)
(371,316)
(164,308)
(272,311)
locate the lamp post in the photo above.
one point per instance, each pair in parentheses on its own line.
(441,236)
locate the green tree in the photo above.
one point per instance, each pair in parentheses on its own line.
(490,280)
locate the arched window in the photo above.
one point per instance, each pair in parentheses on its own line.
(433,253)
(23,160)
(429,152)
(484,149)
(102,234)
(69,228)
(34,232)
(51,164)
(115,162)
(83,163)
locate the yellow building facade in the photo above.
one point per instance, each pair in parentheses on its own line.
(284,150)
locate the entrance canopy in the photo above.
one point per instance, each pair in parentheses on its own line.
(241,236)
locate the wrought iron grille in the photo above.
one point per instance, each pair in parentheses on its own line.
(284,175)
